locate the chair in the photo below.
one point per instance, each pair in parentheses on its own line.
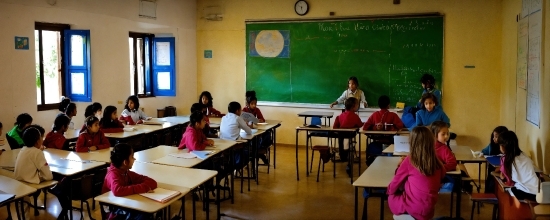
(99,178)
(538,209)
(13,143)
(488,198)
(170,111)
(324,151)
(82,189)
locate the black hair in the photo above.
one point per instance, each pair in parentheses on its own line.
(208,96)
(354,79)
(197,107)
(70,108)
(60,121)
(1,126)
(196,117)
(89,111)
(96,106)
(106,121)
(32,134)
(233,107)
(250,97)
(350,103)
(495,147)
(135,100)
(509,141)
(23,119)
(63,104)
(428,80)
(90,120)
(383,101)
(428,96)
(120,153)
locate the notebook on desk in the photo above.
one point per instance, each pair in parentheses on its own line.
(401,144)
(201,154)
(493,160)
(161,195)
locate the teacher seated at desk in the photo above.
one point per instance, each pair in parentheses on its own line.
(516,169)
(352,91)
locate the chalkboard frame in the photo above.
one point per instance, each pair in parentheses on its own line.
(345,18)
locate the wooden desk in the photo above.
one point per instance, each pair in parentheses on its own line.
(7,159)
(308,114)
(172,119)
(323,129)
(509,207)
(19,189)
(155,153)
(140,203)
(219,146)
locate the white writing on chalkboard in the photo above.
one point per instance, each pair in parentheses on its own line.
(415,25)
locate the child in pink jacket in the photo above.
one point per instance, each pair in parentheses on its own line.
(194,138)
(414,189)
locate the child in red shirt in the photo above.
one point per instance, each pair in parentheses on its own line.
(123,182)
(194,138)
(348,119)
(441,132)
(92,139)
(110,122)
(55,138)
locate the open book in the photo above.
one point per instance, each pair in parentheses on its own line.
(161,195)
(249,117)
(201,154)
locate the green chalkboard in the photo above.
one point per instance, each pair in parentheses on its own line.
(310,61)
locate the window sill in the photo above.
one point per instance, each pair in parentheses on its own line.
(145,96)
(46,107)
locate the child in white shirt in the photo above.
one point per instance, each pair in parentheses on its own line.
(232,123)
(31,165)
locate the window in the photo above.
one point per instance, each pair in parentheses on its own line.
(62,64)
(50,81)
(152,66)
(140,68)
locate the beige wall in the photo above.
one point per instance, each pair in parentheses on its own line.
(532,139)
(472,37)
(109,23)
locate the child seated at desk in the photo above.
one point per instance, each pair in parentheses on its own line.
(123,182)
(198,107)
(63,105)
(55,139)
(428,84)
(444,153)
(110,123)
(23,121)
(206,99)
(352,91)
(252,108)
(93,109)
(70,112)
(382,120)
(516,169)
(348,119)
(232,123)
(31,165)
(492,149)
(132,114)
(415,186)
(194,138)
(431,111)
(92,139)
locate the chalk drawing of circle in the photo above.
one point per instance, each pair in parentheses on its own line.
(269,43)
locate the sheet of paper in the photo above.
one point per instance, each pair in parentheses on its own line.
(401,144)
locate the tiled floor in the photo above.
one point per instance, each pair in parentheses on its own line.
(280,196)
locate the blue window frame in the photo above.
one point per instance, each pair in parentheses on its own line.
(78,82)
(164,66)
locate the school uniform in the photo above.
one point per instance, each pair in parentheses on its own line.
(212,111)
(16,134)
(132,116)
(413,192)
(54,139)
(347,119)
(358,94)
(125,182)
(87,140)
(193,139)
(231,125)
(113,126)
(256,112)
(31,166)
(446,156)
(524,179)
(425,118)
(382,117)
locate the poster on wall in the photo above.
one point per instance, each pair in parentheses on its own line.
(525,5)
(533,68)
(523,40)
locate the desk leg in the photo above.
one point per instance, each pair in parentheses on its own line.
(206,200)
(274,148)
(382,207)
(478,176)
(307,153)
(232,174)
(359,170)
(217,201)
(459,197)
(194,204)
(350,161)
(297,170)
(355,206)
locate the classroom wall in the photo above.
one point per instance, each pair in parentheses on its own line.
(109,22)
(532,140)
(471,97)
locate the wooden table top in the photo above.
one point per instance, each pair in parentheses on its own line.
(11,186)
(178,176)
